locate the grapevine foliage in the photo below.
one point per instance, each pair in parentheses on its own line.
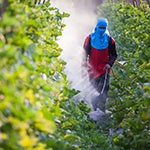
(130,92)
(36,107)
(31,75)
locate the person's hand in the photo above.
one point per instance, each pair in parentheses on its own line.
(107,66)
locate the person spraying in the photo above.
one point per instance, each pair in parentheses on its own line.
(99,56)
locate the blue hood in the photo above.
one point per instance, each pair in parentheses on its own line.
(99,38)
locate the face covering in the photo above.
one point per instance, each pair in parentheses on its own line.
(99,38)
(101,31)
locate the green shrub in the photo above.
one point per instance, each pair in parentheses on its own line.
(130,94)
(31,75)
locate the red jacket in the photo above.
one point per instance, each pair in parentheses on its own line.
(99,58)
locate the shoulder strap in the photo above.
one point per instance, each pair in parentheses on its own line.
(88,47)
(109,43)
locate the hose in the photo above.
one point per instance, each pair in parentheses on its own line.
(104,81)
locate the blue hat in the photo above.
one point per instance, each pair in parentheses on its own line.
(102,22)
